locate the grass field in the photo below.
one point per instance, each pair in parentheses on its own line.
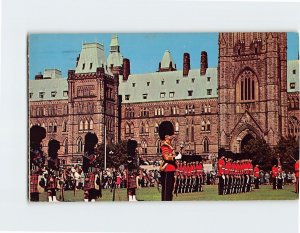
(209,194)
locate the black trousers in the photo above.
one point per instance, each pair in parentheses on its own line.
(256,182)
(167,183)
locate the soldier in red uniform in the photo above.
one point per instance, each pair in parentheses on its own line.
(256,176)
(90,167)
(168,166)
(53,170)
(221,170)
(274,176)
(37,161)
(297,176)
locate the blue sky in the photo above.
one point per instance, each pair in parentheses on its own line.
(144,50)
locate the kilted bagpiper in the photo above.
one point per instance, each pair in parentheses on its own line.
(37,161)
(53,170)
(132,170)
(90,167)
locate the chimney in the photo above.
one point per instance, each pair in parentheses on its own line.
(186,64)
(38,76)
(203,63)
(126,68)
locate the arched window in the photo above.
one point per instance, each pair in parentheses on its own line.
(43,125)
(50,130)
(91,124)
(144,147)
(86,125)
(294,126)
(246,87)
(66,146)
(131,128)
(54,127)
(208,108)
(79,145)
(208,125)
(192,133)
(80,125)
(162,111)
(127,128)
(205,145)
(155,112)
(187,134)
(203,126)
(64,126)
(205,108)
(142,128)
(156,128)
(176,127)
(146,128)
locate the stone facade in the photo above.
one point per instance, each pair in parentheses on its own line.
(247,96)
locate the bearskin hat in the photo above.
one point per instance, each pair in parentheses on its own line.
(90,141)
(53,147)
(131,147)
(37,134)
(165,128)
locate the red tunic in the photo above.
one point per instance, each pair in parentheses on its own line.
(256,172)
(221,166)
(297,169)
(166,151)
(274,172)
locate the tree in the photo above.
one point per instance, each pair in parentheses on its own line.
(260,152)
(116,154)
(288,151)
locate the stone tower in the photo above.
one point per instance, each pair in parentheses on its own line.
(92,99)
(252,88)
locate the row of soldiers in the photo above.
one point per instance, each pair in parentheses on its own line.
(189,177)
(236,176)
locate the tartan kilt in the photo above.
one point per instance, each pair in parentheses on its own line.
(34,183)
(131,182)
(89,181)
(52,182)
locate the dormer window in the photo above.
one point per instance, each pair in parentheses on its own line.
(162,95)
(292,85)
(193,80)
(208,79)
(133,84)
(177,81)
(148,84)
(53,93)
(65,93)
(145,96)
(162,82)
(83,66)
(91,65)
(127,97)
(41,95)
(190,93)
(30,95)
(294,71)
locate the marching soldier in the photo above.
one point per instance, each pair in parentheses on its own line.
(168,166)
(37,161)
(274,176)
(184,177)
(221,169)
(53,170)
(90,168)
(132,182)
(256,176)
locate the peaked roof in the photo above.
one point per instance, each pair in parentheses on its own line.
(91,57)
(114,41)
(167,58)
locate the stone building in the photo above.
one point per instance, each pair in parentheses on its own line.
(254,92)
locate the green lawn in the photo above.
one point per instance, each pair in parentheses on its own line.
(209,194)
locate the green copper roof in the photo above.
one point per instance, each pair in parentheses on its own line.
(164,86)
